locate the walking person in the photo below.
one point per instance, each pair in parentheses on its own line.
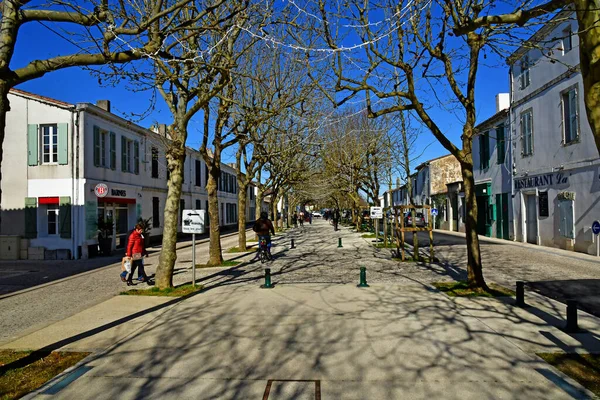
(301,218)
(135,252)
(295,220)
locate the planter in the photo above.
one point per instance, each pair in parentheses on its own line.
(105,245)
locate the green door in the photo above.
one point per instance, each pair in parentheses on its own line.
(502,216)
(485,215)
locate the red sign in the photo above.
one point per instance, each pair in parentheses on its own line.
(101,190)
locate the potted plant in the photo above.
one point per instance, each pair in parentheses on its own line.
(105,231)
(146,226)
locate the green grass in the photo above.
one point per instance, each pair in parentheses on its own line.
(584,368)
(176,291)
(369,236)
(225,263)
(20,374)
(387,246)
(462,289)
(236,249)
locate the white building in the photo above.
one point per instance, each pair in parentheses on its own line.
(556,182)
(60,159)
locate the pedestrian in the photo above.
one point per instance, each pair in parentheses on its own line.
(301,218)
(135,252)
(310,218)
(295,220)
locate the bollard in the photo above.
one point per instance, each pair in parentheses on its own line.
(293,247)
(340,242)
(363,277)
(520,301)
(571,326)
(268,284)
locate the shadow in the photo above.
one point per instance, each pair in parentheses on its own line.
(585,291)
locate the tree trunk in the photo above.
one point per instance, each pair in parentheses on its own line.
(474,266)
(258,209)
(4,108)
(588,15)
(168,253)
(214,252)
(242,193)
(274,209)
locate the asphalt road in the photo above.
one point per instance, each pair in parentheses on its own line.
(76,286)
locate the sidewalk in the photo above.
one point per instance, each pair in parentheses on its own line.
(397,339)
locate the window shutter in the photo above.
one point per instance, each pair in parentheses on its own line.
(123,154)
(480,152)
(64,217)
(113,151)
(30,217)
(63,134)
(569,228)
(136,157)
(32,145)
(96,146)
(573,116)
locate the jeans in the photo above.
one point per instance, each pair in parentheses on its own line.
(137,264)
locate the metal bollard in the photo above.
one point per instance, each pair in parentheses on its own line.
(268,284)
(292,246)
(340,242)
(363,277)
(520,301)
(571,326)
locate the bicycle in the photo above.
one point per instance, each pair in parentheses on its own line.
(263,251)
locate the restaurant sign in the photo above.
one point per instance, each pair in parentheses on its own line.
(541,180)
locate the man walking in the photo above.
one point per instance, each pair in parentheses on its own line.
(336,219)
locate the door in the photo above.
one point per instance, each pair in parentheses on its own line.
(454,206)
(531,219)
(121,225)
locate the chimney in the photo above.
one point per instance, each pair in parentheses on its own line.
(162,130)
(103,104)
(502,101)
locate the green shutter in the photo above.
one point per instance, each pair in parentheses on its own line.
(64,217)
(30,217)
(32,145)
(113,151)
(136,157)
(96,146)
(123,154)
(500,144)
(63,135)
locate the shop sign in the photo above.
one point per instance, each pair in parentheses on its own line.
(541,180)
(118,193)
(566,196)
(101,190)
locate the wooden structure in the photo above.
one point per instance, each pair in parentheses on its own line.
(399,231)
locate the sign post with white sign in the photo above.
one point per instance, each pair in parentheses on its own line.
(192,221)
(596,231)
(376,213)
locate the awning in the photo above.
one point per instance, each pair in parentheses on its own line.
(118,200)
(48,200)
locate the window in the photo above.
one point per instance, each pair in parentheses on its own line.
(105,149)
(49,144)
(198,173)
(130,155)
(155,213)
(500,144)
(154,162)
(484,151)
(136,157)
(52,219)
(567,41)
(524,80)
(526,133)
(113,151)
(570,118)
(198,205)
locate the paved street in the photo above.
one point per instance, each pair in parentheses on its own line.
(94,281)
(317,336)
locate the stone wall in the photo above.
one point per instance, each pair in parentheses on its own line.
(442,171)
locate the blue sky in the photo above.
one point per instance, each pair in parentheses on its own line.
(76,85)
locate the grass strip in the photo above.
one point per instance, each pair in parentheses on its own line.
(236,249)
(369,236)
(462,289)
(584,368)
(22,372)
(177,291)
(225,263)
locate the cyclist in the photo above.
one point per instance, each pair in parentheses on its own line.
(263,226)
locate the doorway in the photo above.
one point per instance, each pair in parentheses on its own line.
(531,219)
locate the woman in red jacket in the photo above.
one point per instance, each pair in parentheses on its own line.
(135,251)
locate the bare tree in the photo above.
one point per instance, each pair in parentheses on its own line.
(120,37)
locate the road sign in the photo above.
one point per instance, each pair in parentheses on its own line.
(376,212)
(596,227)
(434,211)
(193,221)
(101,190)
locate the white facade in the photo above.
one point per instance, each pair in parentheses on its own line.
(64,151)
(556,182)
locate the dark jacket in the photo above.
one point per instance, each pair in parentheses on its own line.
(263,227)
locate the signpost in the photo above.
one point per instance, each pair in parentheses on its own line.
(193,222)
(376,214)
(596,231)
(434,214)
